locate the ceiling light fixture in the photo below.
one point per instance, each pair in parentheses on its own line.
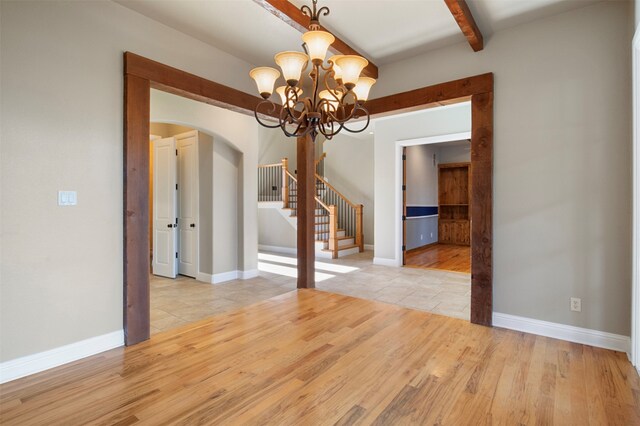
(327,109)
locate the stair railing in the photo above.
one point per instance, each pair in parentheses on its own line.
(349,215)
(290,183)
(276,183)
(320,164)
(269,182)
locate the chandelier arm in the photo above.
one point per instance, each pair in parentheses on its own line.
(270,110)
(366,113)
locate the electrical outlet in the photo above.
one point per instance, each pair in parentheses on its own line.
(421,237)
(576,304)
(432,235)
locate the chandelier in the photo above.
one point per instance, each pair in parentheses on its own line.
(337,92)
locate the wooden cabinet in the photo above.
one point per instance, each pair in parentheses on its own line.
(454,225)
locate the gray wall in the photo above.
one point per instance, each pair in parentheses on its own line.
(226,166)
(61,129)
(454,154)
(422,190)
(274,230)
(562,160)
(349,167)
(205,203)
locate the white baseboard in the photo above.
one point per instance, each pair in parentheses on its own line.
(278,249)
(223,277)
(246,275)
(205,278)
(570,333)
(369,247)
(384,261)
(31,364)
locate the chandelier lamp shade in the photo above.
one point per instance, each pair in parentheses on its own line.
(333,96)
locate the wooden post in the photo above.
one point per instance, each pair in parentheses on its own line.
(136,209)
(481,208)
(333,231)
(306,212)
(359,236)
(285,183)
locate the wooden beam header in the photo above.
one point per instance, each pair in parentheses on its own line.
(172,80)
(439,94)
(461,13)
(289,13)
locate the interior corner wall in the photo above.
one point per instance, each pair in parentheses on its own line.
(562,160)
(61,120)
(349,167)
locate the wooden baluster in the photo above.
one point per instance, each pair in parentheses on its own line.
(285,183)
(359,237)
(333,231)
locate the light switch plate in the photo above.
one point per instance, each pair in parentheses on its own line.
(67,198)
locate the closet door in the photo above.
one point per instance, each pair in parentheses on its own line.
(187,203)
(164,208)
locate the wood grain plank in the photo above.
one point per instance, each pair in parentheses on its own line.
(273,363)
(289,13)
(306,211)
(431,96)
(136,209)
(461,13)
(181,83)
(482,208)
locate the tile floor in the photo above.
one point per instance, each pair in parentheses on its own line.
(183,300)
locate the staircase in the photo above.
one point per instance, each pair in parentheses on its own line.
(338,221)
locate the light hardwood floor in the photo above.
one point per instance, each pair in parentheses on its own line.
(447,257)
(314,358)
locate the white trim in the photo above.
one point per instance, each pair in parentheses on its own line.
(206,278)
(398,180)
(635,272)
(31,364)
(569,333)
(246,275)
(385,262)
(369,247)
(278,249)
(223,277)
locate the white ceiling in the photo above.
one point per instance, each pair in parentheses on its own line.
(382,30)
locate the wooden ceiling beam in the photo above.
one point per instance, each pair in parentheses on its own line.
(461,13)
(289,13)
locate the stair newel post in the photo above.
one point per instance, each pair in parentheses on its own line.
(285,183)
(359,237)
(333,231)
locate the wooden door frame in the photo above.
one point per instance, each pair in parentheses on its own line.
(142,74)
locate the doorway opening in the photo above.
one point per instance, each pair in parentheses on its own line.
(436,204)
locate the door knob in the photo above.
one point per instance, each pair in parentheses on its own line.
(193,225)
(170,225)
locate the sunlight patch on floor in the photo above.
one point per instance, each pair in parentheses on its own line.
(329,267)
(289,272)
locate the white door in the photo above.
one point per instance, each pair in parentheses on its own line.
(187,204)
(165,262)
